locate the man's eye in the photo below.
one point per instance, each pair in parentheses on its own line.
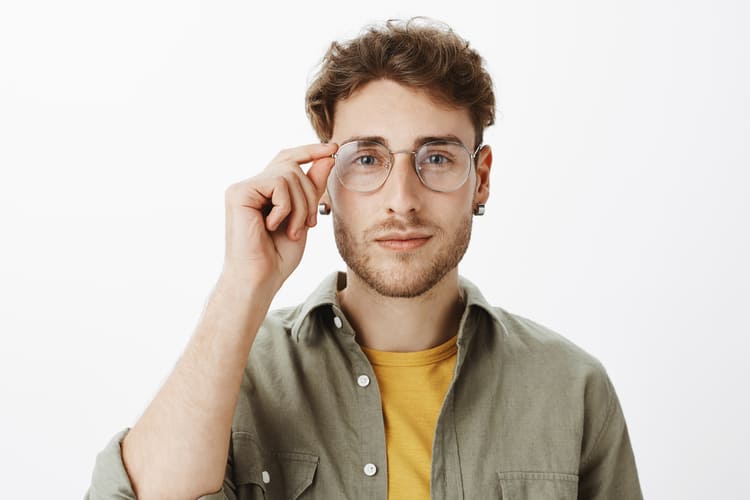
(366,161)
(436,159)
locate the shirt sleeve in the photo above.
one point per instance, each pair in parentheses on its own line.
(608,469)
(110,480)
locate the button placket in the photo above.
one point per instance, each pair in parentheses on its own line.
(368,408)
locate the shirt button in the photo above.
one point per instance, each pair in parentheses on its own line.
(363,380)
(337,322)
(266,477)
(370,469)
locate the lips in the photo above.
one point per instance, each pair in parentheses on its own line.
(402,236)
(403,241)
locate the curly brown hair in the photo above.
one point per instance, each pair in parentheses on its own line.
(419,53)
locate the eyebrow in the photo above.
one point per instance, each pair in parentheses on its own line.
(419,141)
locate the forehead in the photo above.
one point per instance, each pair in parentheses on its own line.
(399,115)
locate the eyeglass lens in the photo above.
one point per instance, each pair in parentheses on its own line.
(363,166)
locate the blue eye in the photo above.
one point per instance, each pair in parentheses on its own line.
(436,159)
(366,160)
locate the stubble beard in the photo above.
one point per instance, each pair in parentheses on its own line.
(403,274)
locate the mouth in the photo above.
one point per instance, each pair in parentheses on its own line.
(403,241)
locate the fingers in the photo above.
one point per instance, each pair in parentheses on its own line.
(297,219)
(281,203)
(311,197)
(293,199)
(284,195)
(318,174)
(307,153)
(311,185)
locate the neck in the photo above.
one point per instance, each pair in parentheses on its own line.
(403,324)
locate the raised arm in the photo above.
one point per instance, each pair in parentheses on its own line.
(179,446)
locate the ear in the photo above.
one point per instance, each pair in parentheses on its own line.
(484,164)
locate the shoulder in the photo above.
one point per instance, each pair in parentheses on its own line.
(536,356)
(525,335)
(526,341)
(540,353)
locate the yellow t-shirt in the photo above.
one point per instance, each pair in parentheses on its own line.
(412,387)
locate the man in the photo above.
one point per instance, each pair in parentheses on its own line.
(396,379)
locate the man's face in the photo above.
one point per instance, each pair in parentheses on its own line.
(403,238)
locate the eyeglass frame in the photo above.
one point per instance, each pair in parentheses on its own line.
(472,157)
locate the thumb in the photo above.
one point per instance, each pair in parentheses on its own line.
(319,172)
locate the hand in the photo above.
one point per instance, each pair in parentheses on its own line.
(267,216)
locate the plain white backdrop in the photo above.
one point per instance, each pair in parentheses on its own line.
(618,213)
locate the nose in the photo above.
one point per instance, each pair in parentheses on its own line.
(402,190)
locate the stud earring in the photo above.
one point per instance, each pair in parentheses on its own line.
(324,209)
(479,210)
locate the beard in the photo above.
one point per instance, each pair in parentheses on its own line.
(402,274)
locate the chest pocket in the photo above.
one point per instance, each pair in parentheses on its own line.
(538,486)
(267,475)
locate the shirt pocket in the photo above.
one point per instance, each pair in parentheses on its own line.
(537,486)
(270,475)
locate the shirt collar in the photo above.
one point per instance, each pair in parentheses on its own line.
(473,297)
(325,295)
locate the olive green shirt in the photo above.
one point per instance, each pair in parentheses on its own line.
(528,415)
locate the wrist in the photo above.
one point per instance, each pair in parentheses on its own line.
(238,287)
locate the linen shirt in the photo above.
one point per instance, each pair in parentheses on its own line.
(527,415)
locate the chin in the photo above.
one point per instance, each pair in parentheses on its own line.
(404,280)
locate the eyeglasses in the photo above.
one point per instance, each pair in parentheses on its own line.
(443,166)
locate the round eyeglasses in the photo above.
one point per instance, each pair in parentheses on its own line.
(443,166)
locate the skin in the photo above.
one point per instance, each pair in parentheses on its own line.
(178,448)
(402,242)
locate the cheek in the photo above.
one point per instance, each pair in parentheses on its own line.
(464,197)
(454,220)
(342,200)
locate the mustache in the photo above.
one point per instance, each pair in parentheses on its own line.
(412,222)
